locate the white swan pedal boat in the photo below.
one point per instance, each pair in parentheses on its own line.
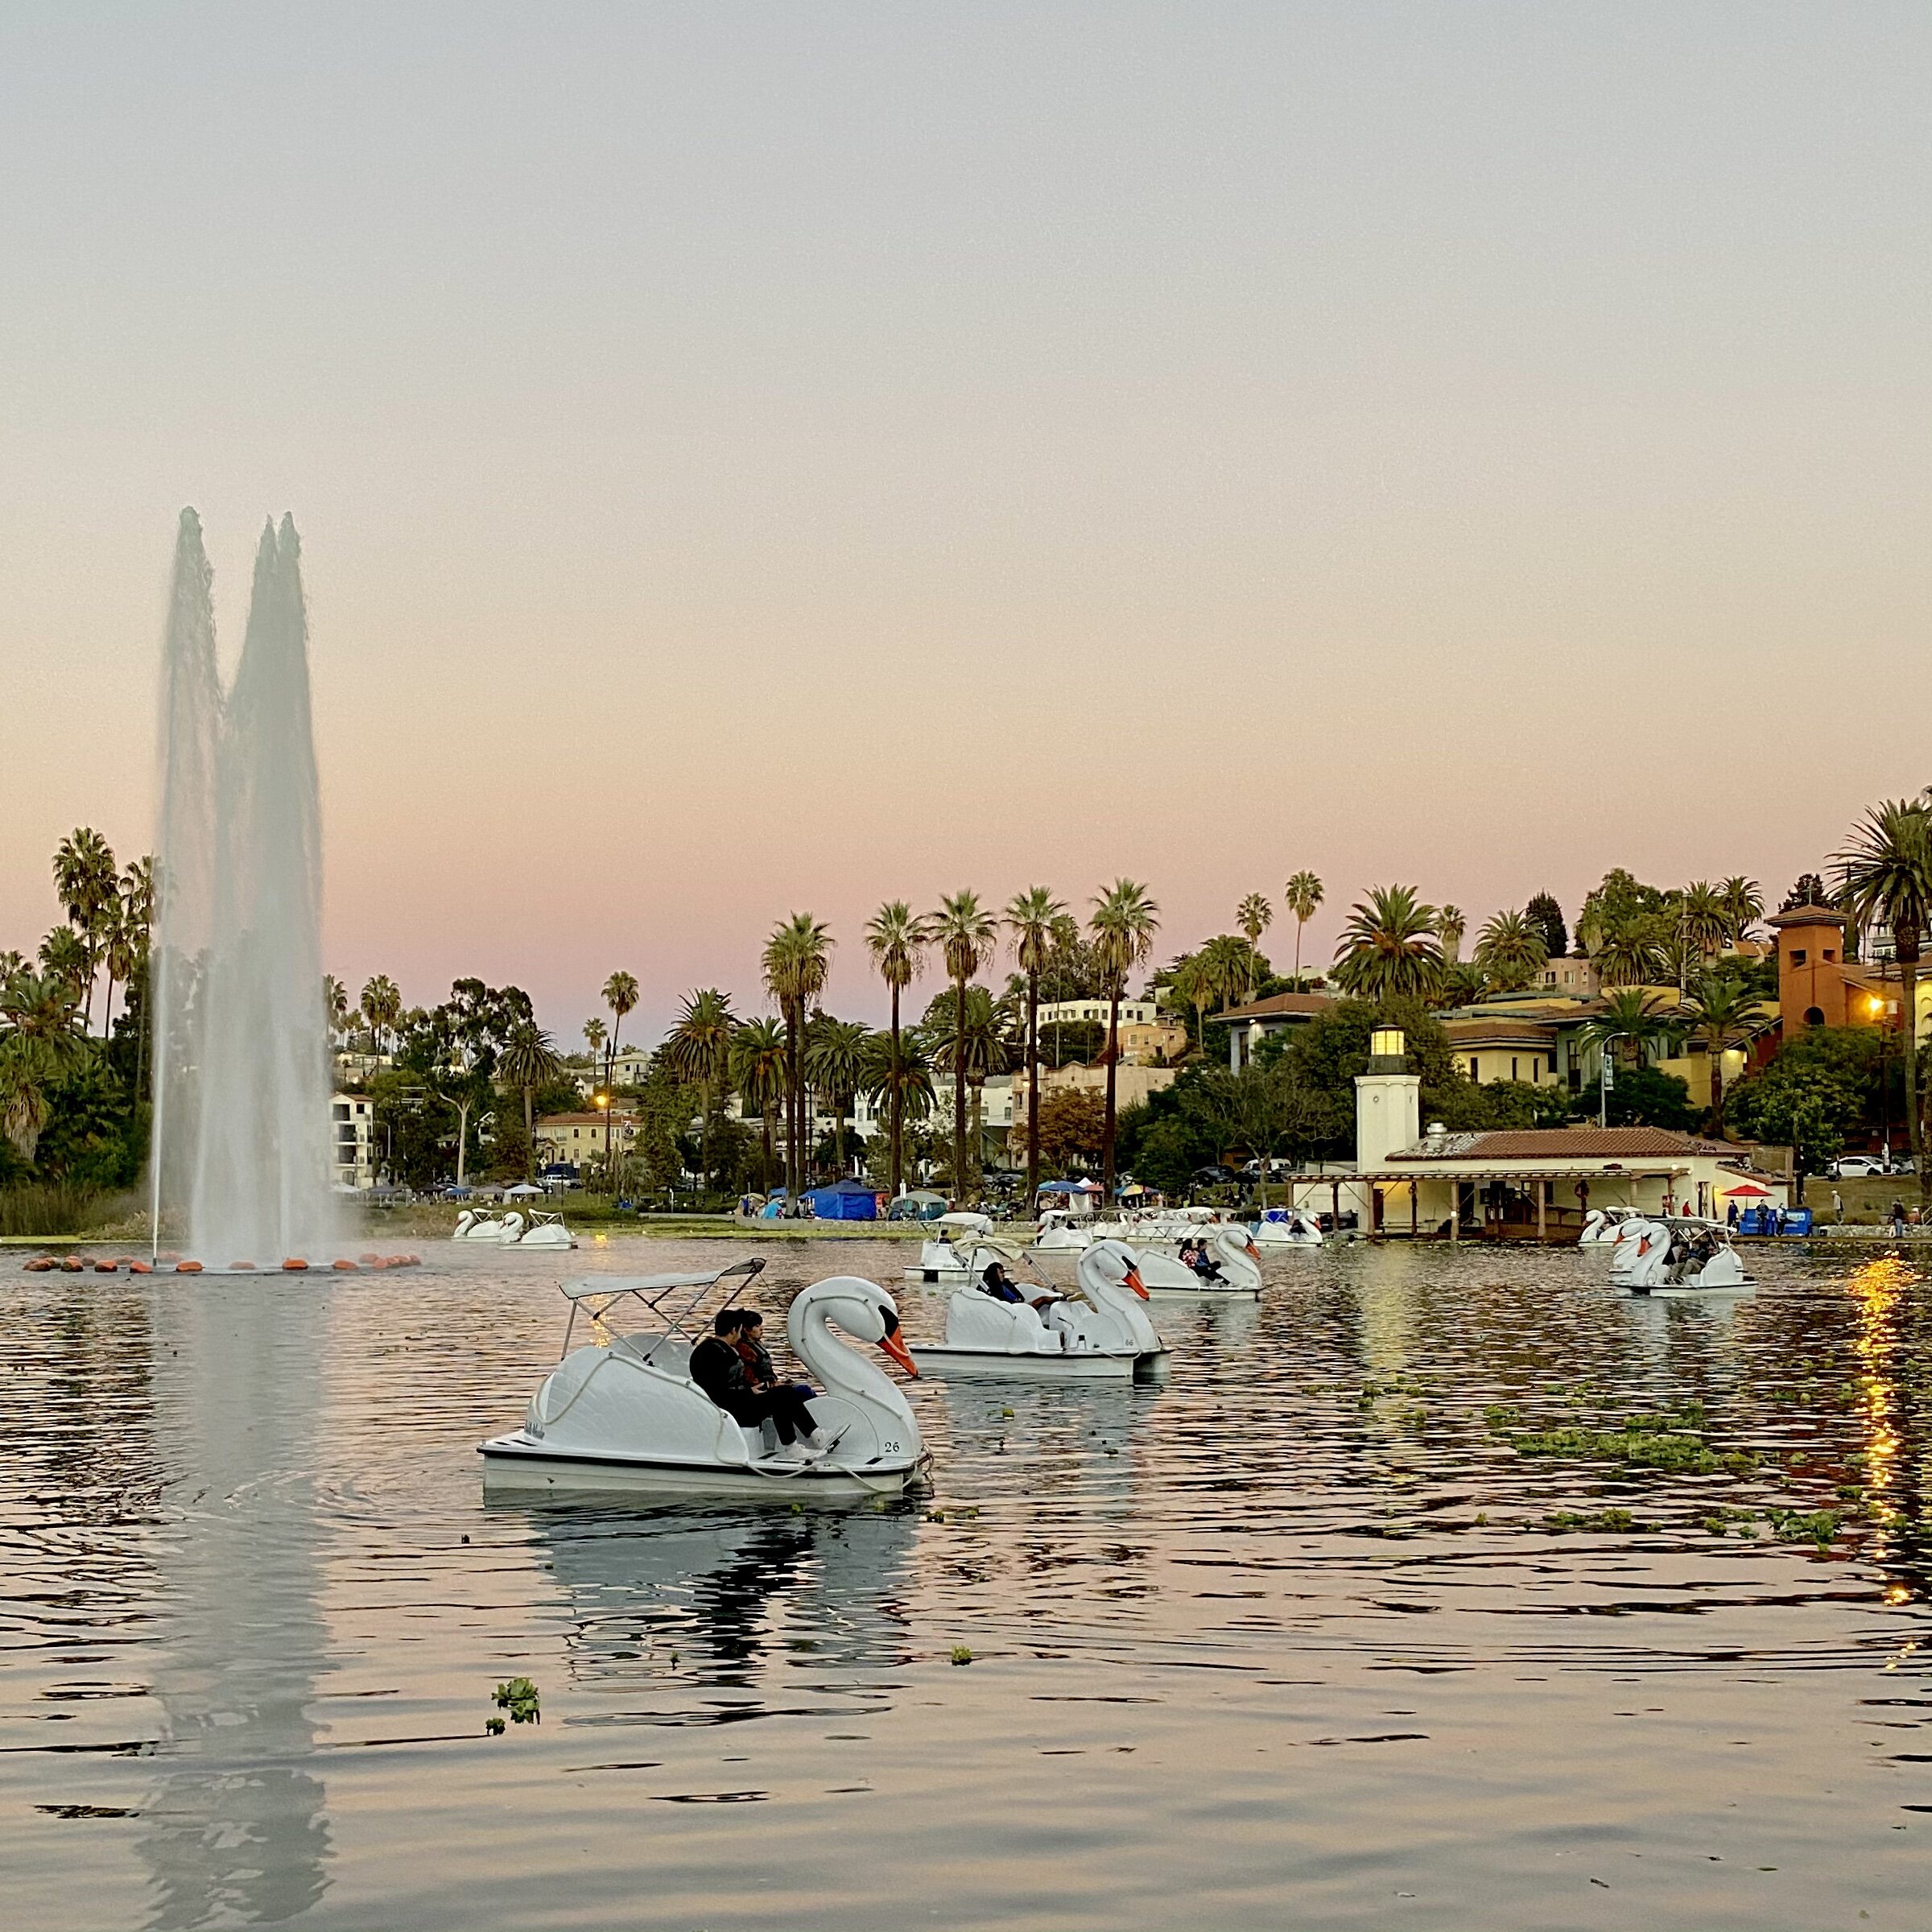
(1166,1276)
(1287,1228)
(1102,1335)
(474,1224)
(1660,1258)
(1060,1232)
(540,1231)
(946,1257)
(623,1413)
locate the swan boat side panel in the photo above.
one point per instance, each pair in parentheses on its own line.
(518,1463)
(1085,1365)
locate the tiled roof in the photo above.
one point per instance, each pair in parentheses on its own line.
(1276,1005)
(1807,915)
(1562,1143)
(1502,1028)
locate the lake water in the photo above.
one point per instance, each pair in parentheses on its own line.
(1291,1638)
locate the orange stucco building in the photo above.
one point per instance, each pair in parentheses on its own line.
(1810,967)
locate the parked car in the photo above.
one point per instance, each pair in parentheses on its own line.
(1213,1177)
(1865,1166)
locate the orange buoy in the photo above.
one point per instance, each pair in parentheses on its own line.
(140,1268)
(106,1267)
(39,1265)
(344,1267)
(294,1265)
(187,1267)
(73,1265)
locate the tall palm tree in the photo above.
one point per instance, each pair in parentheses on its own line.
(64,957)
(1510,952)
(125,958)
(1301,896)
(758,1067)
(1885,876)
(973,1043)
(335,1007)
(1123,922)
(1227,964)
(838,1053)
(1743,901)
(28,1071)
(381,1006)
(899,1072)
(1388,946)
(1630,1021)
(1254,915)
(1724,1009)
(621,996)
(88,881)
(1031,918)
(895,937)
(1703,917)
(1063,962)
(593,1039)
(966,935)
(1450,926)
(529,1060)
(1626,949)
(698,1049)
(139,893)
(796,962)
(1190,982)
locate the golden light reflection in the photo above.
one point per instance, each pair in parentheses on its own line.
(597,1306)
(1878,1288)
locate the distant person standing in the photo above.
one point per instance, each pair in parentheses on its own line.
(1898,1220)
(1730,1217)
(1837,1208)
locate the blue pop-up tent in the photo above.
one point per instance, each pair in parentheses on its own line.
(845,1201)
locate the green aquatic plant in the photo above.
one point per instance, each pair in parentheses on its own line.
(519,1697)
(1615,1520)
(961,1654)
(1640,1448)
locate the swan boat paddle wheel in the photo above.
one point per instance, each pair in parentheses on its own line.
(621,1412)
(1102,1334)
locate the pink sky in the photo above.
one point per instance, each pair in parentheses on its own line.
(746,463)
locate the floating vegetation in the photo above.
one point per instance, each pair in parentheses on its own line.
(1562,1521)
(961,1654)
(519,1698)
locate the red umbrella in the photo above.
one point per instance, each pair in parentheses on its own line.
(1750,1187)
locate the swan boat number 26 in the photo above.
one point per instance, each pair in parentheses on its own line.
(622,1413)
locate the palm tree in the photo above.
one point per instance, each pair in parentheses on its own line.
(1064,963)
(1884,877)
(593,1039)
(1630,1021)
(1032,917)
(965,934)
(1450,926)
(88,881)
(1627,950)
(1124,922)
(796,961)
(64,957)
(896,939)
(1743,901)
(698,1049)
(1510,952)
(1389,947)
(620,997)
(126,959)
(1191,984)
(758,1072)
(1724,1009)
(900,1073)
(1462,984)
(1703,917)
(1254,915)
(972,1044)
(335,1006)
(1227,964)
(27,1070)
(139,888)
(530,1059)
(1301,895)
(837,1054)
(43,1007)
(381,1007)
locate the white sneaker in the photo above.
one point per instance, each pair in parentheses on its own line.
(790,1453)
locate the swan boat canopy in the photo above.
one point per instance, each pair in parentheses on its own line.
(947,1255)
(1102,1335)
(1287,1228)
(1062,1233)
(621,1412)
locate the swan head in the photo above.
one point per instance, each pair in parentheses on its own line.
(1117,1263)
(867,1313)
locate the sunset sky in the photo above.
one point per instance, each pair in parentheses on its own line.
(760,457)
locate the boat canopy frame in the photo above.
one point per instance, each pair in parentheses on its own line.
(655,1292)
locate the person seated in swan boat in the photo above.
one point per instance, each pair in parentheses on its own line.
(718,1369)
(1200,1258)
(995,1282)
(760,1370)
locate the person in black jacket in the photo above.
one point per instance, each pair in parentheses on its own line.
(718,1369)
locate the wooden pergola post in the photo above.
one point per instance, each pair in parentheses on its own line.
(1543,1210)
(1455,1211)
(1414,1210)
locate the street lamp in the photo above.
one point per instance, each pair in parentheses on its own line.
(1877,1010)
(601,1101)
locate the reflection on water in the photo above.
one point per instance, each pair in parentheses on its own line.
(1312,1632)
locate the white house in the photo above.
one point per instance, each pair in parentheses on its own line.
(352,1141)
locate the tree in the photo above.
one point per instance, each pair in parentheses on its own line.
(966,936)
(1627,951)
(1806,1103)
(1744,904)
(1450,926)
(1301,896)
(594,1030)
(1546,916)
(896,939)
(1728,1013)
(1703,918)
(698,1050)
(1269,1105)
(621,996)
(1808,890)
(1071,1132)
(837,1055)
(138,897)
(1631,1020)
(27,1073)
(335,1007)
(900,1073)
(1227,963)
(1885,874)
(1190,983)
(796,962)
(758,1064)
(1388,946)
(88,883)
(1643,1096)
(1511,951)
(1254,915)
(381,1008)
(1032,917)
(530,1060)
(975,1042)
(1124,921)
